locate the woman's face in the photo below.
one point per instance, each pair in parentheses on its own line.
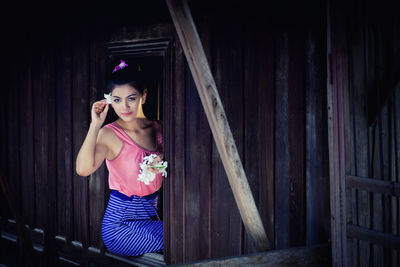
(125,101)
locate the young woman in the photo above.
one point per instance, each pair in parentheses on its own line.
(130,225)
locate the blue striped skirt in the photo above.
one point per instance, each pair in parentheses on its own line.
(131,226)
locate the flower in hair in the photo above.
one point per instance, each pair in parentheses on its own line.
(120,66)
(108,98)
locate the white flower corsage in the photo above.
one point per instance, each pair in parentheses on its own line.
(108,98)
(145,175)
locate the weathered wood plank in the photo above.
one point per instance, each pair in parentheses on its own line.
(317,187)
(372,236)
(359,112)
(254,69)
(373,185)
(168,149)
(63,65)
(198,171)
(41,136)
(97,87)
(396,128)
(13,145)
(299,256)
(226,224)
(51,157)
(396,132)
(267,134)
(80,117)
(177,208)
(220,128)
(296,138)
(27,144)
(198,189)
(4,211)
(281,142)
(337,80)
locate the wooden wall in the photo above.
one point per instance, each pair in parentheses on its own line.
(269,65)
(372,127)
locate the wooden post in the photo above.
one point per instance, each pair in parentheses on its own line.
(336,81)
(218,122)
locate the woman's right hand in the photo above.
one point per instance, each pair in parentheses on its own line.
(99,111)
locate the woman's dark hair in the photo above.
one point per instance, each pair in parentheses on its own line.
(129,75)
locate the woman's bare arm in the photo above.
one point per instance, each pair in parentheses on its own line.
(93,150)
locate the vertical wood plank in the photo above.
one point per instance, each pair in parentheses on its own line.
(51,157)
(41,136)
(337,82)
(96,180)
(267,137)
(27,143)
(177,183)
(13,146)
(351,157)
(197,191)
(198,167)
(377,155)
(63,65)
(227,70)
(258,111)
(168,99)
(396,131)
(4,212)
(296,137)
(382,63)
(360,124)
(317,187)
(80,118)
(282,156)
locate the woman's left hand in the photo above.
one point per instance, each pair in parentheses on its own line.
(156,160)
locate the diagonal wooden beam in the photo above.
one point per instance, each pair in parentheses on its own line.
(218,122)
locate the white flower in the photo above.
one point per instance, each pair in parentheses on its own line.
(145,175)
(108,98)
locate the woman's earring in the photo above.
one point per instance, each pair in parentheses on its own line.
(140,113)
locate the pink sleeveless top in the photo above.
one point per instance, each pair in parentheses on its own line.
(124,168)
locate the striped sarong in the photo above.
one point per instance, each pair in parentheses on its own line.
(131,226)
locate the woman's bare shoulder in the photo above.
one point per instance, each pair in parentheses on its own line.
(105,135)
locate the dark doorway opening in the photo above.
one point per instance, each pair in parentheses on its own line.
(152,58)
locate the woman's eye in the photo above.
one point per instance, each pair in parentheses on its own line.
(116,100)
(131,99)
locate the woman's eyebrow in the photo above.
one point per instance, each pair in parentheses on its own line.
(127,96)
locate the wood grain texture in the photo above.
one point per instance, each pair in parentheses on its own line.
(337,84)
(226,224)
(201,219)
(177,219)
(317,230)
(65,171)
(220,127)
(27,144)
(267,133)
(41,137)
(80,117)
(282,156)
(97,87)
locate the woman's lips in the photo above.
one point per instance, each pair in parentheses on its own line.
(127,114)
